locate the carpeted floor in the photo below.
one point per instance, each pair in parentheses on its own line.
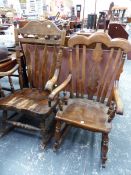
(80,151)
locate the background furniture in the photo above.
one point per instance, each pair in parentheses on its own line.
(103,21)
(118,13)
(8,65)
(7,68)
(39,43)
(117,31)
(93,89)
(91,22)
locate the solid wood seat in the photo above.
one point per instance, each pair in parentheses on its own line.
(86,114)
(28,100)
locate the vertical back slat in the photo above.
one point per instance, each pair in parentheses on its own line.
(83,70)
(77,71)
(28,63)
(108,79)
(36,67)
(41,59)
(44,67)
(53,65)
(114,79)
(70,71)
(94,70)
(103,78)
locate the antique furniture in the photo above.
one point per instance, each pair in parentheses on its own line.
(78,11)
(91,99)
(118,13)
(117,31)
(103,21)
(41,44)
(8,65)
(91,22)
(7,68)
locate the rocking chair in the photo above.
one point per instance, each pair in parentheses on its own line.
(41,44)
(90,94)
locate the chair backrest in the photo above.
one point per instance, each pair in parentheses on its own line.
(40,43)
(95,63)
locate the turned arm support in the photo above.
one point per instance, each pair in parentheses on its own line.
(10,72)
(60,88)
(50,83)
(118,101)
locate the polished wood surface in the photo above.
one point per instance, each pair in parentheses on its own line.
(29,101)
(82,112)
(41,46)
(94,99)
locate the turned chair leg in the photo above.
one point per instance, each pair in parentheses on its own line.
(3,123)
(44,134)
(104,148)
(57,135)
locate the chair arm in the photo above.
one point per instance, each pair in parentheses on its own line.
(50,83)
(10,72)
(119,104)
(60,88)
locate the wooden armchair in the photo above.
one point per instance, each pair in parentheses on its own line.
(41,44)
(90,98)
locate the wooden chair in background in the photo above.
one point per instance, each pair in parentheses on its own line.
(93,89)
(7,68)
(41,44)
(116,30)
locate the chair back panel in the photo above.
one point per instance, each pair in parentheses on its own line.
(95,70)
(40,43)
(41,63)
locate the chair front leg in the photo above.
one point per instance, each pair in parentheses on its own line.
(57,135)
(3,123)
(46,132)
(43,134)
(104,148)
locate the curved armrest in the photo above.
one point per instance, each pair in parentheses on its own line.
(60,88)
(119,104)
(50,83)
(11,71)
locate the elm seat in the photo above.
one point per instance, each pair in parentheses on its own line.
(83,112)
(28,100)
